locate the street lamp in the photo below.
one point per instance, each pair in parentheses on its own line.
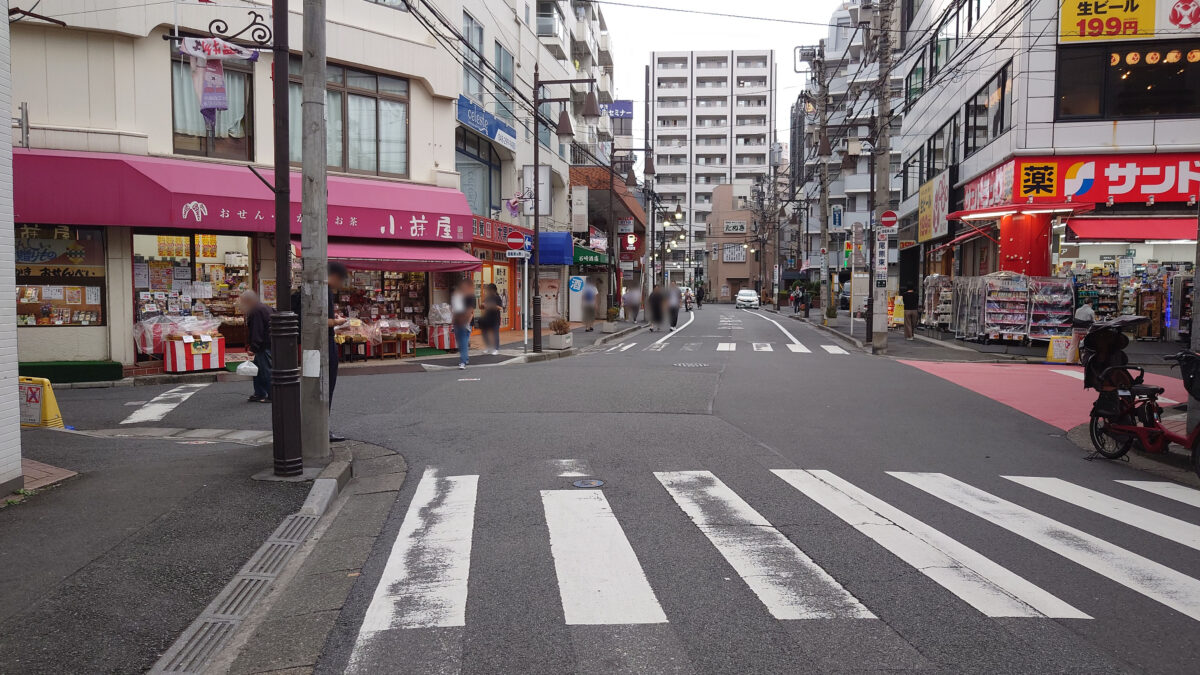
(591,111)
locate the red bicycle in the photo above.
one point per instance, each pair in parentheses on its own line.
(1127,412)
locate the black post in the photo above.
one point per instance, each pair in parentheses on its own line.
(870,238)
(612,233)
(537,210)
(285,325)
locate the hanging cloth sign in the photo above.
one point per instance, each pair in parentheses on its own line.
(208,73)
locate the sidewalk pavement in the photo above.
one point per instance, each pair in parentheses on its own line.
(922,348)
(116,562)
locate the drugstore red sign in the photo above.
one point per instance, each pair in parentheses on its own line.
(1087,179)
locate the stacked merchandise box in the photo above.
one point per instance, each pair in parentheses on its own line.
(1052,303)
(1179,308)
(966,314)
(1101,288)
(1006,306)
(938,301)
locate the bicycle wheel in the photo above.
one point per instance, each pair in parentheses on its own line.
(1107,446)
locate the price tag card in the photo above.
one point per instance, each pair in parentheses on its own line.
(188,339)
(206,338)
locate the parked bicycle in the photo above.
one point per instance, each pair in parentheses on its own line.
(1126,413)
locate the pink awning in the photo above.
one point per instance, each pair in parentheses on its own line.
(1133,229)
(57,187)
(392,257)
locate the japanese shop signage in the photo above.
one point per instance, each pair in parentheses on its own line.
(735,227)
(991,189)
(933,203)
(619,109)
(624,225)
(631,246)
(494,231)
(1094,179)
(1104,20)
(881,259)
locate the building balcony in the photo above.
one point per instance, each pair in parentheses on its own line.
(604,88)
(604,44)
(706,64)
(583,40)
(752,65)
(858,182)
(553,33)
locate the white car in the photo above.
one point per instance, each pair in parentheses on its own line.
(746,298)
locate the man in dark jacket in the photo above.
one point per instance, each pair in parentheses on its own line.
(337,275)
(258,343)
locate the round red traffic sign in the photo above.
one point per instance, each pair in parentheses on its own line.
(516,241)
(888,219)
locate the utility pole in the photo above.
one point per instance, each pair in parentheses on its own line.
(823,154)
(314,403)
(882,149)
(287,444)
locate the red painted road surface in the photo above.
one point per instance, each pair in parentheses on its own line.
(1056,398)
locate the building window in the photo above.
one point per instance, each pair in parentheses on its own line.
(914,84)
(231,137)
(366,120)
(940,150)
(914,170)
(60,275)
(505,103)
(478,166)
(1132,80)
(472,62)
(989,112)
(621,126)
(944,43)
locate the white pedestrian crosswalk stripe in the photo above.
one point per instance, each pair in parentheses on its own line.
(424,583)
(599,578)
(833,349)
(1153,580)
(727,346)
(786,580)
(1131,514)
(627,347)
(799,349)
(1180,493)
(978,581)
(762,347)
(157,408)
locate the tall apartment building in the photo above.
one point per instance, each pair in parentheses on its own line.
(852,72)
(713,122)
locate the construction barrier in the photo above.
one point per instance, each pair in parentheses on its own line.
(38,405)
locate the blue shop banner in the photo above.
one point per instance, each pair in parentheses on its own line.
(485,123)
(619,109)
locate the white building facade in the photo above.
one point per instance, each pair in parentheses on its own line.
(713,122)
(10,424)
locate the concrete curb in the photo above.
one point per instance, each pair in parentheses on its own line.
(572,351)
(206,638)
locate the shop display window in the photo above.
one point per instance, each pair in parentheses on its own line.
(60,275)
(1129,80)
(373,296)
(232,135)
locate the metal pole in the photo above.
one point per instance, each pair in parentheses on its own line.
(870,317)
(1193,412)
(612,234)
(525,305)
(285,327)
(315,400)
(882,149)
(823,153)
(537,208)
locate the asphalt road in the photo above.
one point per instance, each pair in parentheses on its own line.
(765,509)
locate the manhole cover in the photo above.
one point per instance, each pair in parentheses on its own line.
(588,483)
(691,365)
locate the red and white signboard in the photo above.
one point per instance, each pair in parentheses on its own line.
(888,219)
(182,357)
(516,241)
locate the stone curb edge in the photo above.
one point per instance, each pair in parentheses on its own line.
(210,633)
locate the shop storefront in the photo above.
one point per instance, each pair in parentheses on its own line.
(177,238)
(489,244)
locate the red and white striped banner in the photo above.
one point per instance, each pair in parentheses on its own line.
(183,357)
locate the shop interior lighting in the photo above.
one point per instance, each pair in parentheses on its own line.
(1155,242)
(1048,211)
(1103,243)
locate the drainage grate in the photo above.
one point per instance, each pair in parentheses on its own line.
(239,597)
(295,528)
(196,646)
(691,365)
(270,558)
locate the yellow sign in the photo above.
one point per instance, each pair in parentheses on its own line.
(1038,179)
(38,406)
(1104,20)
(925,212)
(1059,350)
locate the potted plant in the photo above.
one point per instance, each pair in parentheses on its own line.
(610,324)
(560,337)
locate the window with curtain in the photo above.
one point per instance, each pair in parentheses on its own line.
(505,105)
(988,113)
(478,166)
(232,136)
(366,120)
(472,63)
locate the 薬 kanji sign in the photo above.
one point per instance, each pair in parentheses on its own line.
(1106,20)
(1096,178)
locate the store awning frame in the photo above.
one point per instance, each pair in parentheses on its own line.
(965,237)
(401,257)
(586,256)
(995,212)
(1137,228)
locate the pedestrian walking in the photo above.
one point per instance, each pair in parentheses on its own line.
(796,300)
(912,310)
(493,307)
(258,343)
(590,295)
(462,309)
(656,307)
(674,299)
(699,296)
(1085,316)
(336,275)
(632,300)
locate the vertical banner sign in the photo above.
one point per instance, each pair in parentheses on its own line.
(858,261)
(579,208)
(836,216)
(208,73)
(543,180)
(881,260)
